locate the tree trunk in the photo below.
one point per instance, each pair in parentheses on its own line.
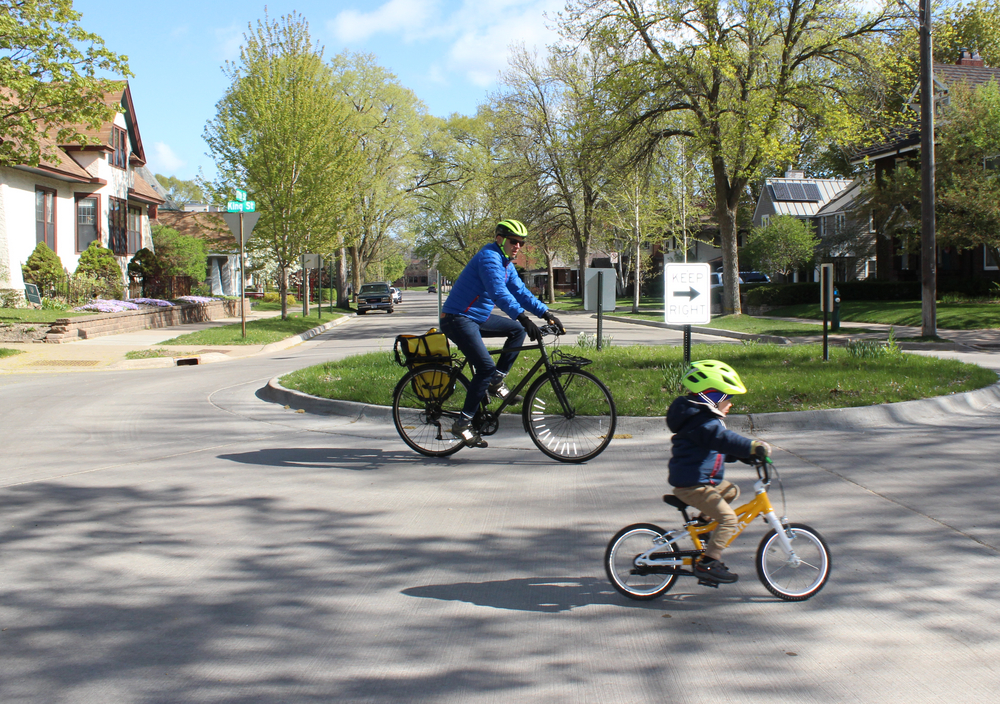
(343,300)
(552,280)
(355,268)
(730,260)
(283,290)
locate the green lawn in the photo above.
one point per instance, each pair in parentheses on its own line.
(37,315)
(8,352)
(950,316)
(644,379)
(259,332)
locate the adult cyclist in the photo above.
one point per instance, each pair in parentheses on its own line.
(488,280)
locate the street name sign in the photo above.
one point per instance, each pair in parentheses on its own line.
(688,294)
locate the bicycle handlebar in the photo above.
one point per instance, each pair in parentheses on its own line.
(550,330)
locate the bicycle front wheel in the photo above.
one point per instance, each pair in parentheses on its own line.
(619,562)
(578,430)
(799,579)
(425,404)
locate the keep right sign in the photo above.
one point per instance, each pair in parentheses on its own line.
(688,294)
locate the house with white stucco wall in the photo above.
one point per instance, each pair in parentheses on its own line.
(81,194)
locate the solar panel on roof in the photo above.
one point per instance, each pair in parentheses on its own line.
(784,190)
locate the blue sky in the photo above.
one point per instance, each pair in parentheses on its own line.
(448,52)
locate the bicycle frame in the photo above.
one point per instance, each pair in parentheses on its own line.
(760,505)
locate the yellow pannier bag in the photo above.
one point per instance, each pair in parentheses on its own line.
(413,351)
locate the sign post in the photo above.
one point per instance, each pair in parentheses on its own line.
(241,231)
(826,303)
(309,262)
(687,298)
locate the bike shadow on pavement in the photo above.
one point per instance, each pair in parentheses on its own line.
(361,459)
(560,594)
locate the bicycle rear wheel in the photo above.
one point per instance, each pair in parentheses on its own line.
(789,580)
(581,430)
(619,562)
(425,403)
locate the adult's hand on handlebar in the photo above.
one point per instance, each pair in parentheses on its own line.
(555,321)
(534,334)
(760,449)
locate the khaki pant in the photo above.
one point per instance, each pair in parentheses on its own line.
(714,502)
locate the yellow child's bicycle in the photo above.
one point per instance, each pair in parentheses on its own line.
(793,561)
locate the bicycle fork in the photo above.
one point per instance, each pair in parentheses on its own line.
(785,536)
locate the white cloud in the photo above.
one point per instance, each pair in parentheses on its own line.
(164,160)
(396,16)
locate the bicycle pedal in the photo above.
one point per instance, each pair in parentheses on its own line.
(708,583)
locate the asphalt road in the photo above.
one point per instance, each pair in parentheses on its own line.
(167,536)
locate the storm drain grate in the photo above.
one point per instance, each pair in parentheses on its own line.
(65,363)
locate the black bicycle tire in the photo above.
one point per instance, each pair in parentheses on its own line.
(402,425)
(533,428)
(764,575)
(616,579)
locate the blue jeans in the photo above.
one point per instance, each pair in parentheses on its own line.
(468,336)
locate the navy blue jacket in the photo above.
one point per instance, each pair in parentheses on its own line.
(701,444)
(488,280)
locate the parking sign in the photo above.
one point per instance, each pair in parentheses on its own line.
(688,294)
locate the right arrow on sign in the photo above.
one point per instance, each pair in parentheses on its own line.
(690,293)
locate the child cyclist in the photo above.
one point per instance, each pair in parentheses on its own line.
(701,446)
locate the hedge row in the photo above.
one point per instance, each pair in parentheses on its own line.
(794,294)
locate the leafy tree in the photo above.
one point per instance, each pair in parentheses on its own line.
(177,254)
(181,192)
(389,121)
(556,134)
(43,268)
(99,263)
(967,204)
(735,79)
(284,134)
(785,244)
(48,71)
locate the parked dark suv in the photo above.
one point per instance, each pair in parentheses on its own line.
(754,277)
(375,296)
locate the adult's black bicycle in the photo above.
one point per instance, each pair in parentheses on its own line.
(567,411)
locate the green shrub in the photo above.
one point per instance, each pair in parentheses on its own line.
(43,268)
(274,297)
(98,263)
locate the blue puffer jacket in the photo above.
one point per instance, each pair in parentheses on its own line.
(701,444)
(488,280)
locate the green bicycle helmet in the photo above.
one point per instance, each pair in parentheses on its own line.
(712,375)
(516,228)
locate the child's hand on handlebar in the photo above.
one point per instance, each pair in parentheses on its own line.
(760,449)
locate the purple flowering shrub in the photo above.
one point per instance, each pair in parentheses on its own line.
(108,306)
(197,299)
(153,302)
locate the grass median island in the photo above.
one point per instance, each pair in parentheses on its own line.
(644,379)
(8,352)
(259,332)
(950,316)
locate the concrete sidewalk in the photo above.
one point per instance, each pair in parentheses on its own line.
(110,352)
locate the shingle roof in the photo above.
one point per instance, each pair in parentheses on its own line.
(209,227)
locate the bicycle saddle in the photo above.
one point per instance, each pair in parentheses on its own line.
(675,502)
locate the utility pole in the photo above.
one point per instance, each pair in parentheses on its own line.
(928,246)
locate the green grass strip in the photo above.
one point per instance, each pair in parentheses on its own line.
(8,352)
(259,332)
(644,379)
(950,316)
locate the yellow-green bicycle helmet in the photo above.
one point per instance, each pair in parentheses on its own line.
(711,374)
(511,227)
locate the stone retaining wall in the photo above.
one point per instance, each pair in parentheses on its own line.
(70,329)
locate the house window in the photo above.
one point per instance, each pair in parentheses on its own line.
(134,230)
(119,142)
(118,226)
(45,217)
(87,220)
(765,220)
(988,263)
(839,221)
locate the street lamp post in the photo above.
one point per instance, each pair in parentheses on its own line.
(928,246)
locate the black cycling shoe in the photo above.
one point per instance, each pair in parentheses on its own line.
(714,570)
(498,389)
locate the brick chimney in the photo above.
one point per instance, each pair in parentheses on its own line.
(969,58)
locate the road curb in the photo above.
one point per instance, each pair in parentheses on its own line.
(919,412)
(773,339)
